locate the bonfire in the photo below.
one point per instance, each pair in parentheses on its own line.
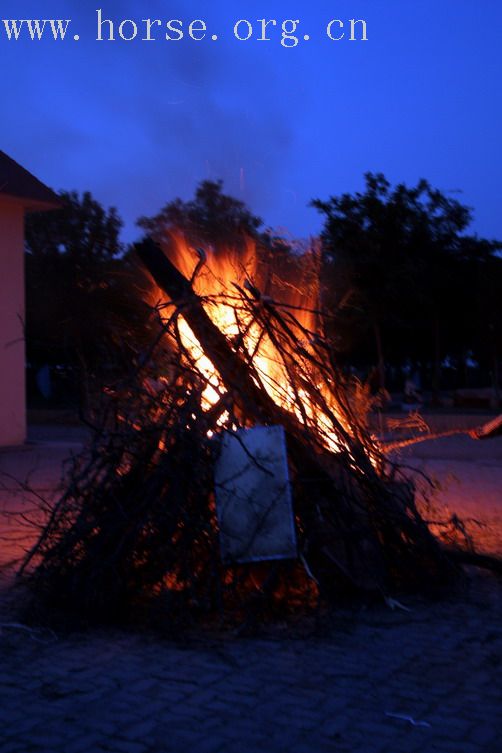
(239,346)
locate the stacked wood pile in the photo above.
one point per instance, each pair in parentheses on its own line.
(136,526)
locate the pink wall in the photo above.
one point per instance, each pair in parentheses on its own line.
(12,351)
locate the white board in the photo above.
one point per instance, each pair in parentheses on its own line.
(253,496)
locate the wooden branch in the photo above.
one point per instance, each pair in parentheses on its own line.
(255,403)
(314,464)
(229,364)
(350,514)
(485,561)
(492,428)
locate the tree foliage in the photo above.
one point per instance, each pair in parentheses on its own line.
(400,269)
(404,281)
(211,217)
(216,220)
(81,301)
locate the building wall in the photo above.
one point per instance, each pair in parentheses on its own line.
(12,349)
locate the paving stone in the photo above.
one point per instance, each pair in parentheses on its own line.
(463,746)
(13,747)
(81,744)
(487,734)
(132,694)
(140,731)
(207,745)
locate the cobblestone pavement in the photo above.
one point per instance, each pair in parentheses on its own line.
(353,686)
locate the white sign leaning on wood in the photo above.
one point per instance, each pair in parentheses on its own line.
(253,496)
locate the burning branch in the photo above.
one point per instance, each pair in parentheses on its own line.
(137,523)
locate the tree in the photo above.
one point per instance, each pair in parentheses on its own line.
(82,302)
(211,217)
(82,229)
(395,256)
(215,220)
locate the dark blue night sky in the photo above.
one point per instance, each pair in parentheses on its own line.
(141,123)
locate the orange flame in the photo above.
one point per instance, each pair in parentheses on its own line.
(214,274)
